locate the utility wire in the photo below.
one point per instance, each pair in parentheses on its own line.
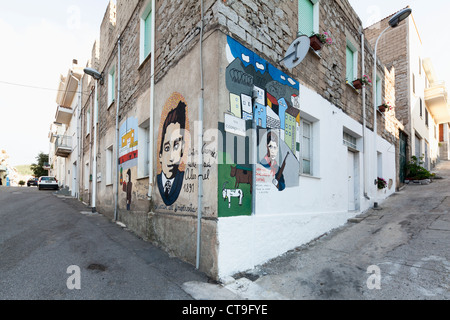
(38,88)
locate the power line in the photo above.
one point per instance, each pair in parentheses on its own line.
(38,88)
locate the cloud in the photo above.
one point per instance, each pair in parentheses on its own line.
(245,58)
(260,66)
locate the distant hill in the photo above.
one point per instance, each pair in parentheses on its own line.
(24,170)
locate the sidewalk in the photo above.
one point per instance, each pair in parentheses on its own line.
(398,252)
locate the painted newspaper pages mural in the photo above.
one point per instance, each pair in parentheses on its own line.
(128,157)
(262,93)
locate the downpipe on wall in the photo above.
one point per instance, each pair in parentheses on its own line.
(94,165)
(200,146)
(116,196)
(152,106)
(365,155)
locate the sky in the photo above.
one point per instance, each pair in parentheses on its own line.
(39,40)
(432,20)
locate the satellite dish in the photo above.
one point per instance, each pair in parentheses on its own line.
(296,52)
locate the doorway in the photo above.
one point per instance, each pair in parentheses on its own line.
(74,180)
(352,173)
(402,160)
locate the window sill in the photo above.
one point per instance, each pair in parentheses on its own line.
(109,184)
(315,53)
(351,86)
(141,178)
(110,104)
(310,177)
(143,62)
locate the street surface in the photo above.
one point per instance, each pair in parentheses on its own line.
(401,252)
(46,241)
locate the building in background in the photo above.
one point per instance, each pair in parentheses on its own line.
(436,99)
(420,101)
(64,132)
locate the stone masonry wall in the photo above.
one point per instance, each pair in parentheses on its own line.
(269,27)
(397,57)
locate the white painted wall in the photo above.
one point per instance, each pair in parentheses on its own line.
(426,133)
(298,215)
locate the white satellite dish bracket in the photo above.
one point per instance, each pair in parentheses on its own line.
(296,52)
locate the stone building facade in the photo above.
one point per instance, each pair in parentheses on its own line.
(420,114)
(201,125)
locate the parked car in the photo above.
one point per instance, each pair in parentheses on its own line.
(32,182)
(48,183)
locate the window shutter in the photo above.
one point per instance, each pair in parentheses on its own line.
(350,73)
(113,86)
(148,35)
(305,17)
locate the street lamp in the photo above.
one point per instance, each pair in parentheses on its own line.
(98,78)
(393,22)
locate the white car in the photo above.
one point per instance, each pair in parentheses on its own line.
(48,183)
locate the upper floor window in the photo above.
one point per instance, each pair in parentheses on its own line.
(420,107)
(146,33)
(306,153)
(111,86)
(351,62)
(379,96)
(308,16)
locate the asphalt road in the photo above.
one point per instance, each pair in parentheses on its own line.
(51,248)
(400,252)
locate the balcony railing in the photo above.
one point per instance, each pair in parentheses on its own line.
(436,98)
(63,146)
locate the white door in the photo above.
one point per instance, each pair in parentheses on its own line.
(74,180)
(351,181)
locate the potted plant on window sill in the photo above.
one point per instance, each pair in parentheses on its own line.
(381,183)
(358,83)
(318,40)
(384,107)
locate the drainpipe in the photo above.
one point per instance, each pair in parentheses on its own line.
(152,104)
(116,160)
(79,138)
(200,145)
(94,162)
(365,156)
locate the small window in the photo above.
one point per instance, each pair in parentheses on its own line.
(88,121)
(351,62)
(305,17)
(306,148)
(146,33)
(111,86)
(109,165)
(426,117)
(380,164)
(349,140)
(420,107)
(379,91)
(144,143)
(414,83)
(86,176)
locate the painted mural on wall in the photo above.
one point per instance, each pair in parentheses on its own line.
(128,157)
(173,139)
(258,92)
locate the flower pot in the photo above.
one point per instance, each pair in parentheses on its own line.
(357,84)
(316,44)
